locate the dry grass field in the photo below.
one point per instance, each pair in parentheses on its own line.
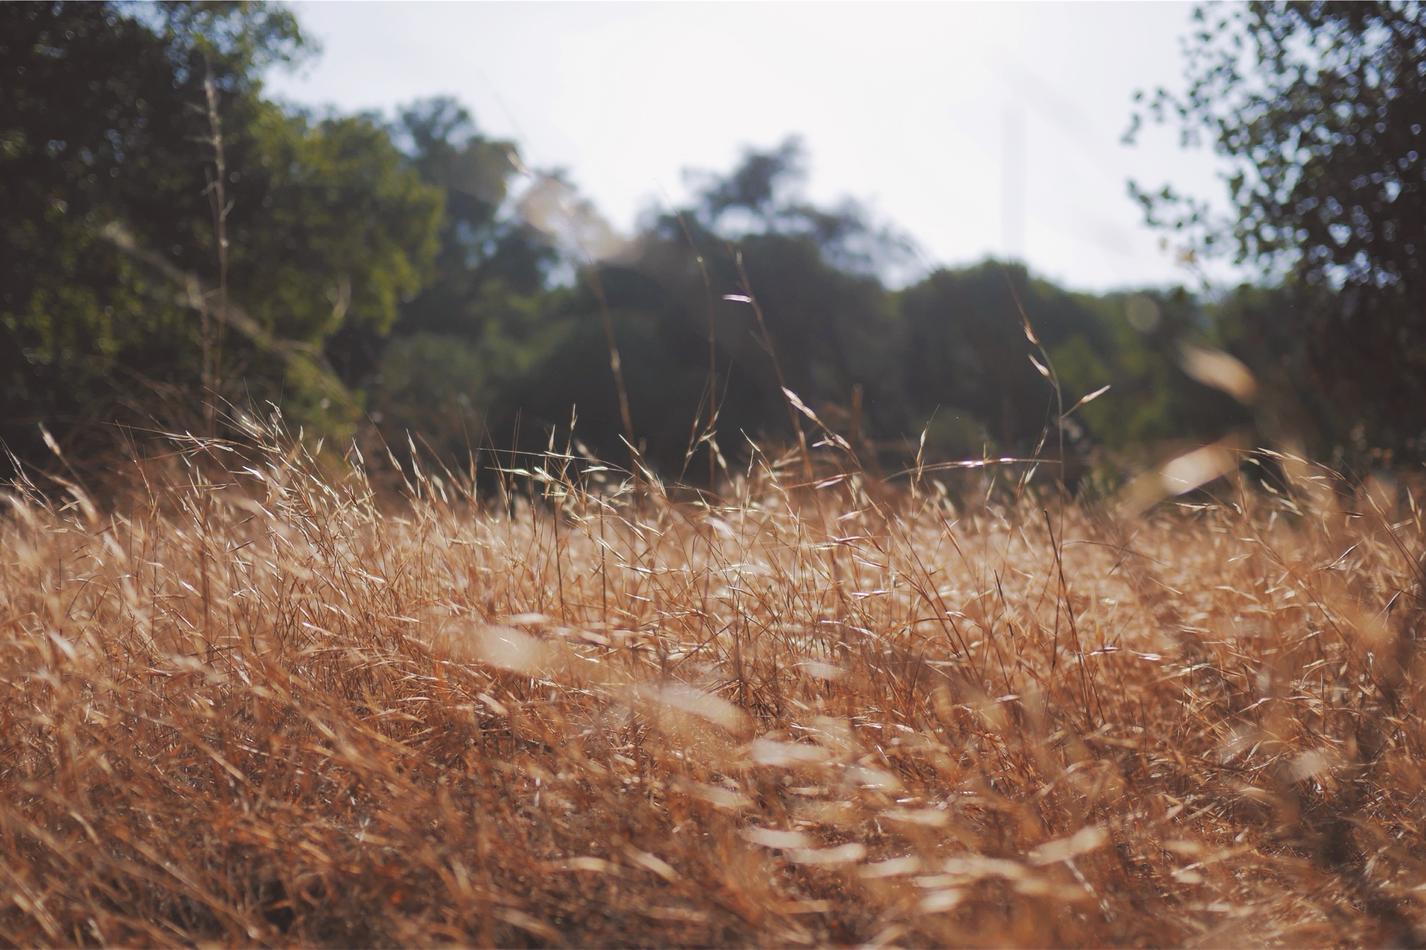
(253,701)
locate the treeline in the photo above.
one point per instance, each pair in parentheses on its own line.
(171,237)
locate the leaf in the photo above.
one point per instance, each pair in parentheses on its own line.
(1220,370)
(799,405)
(1181,475)
(786,754)
(695,702)
(803,408)
(775,838)
(848,853)
(1025,321)
(1089,398)
(1081,842)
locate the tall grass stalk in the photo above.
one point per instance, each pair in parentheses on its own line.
(256,702)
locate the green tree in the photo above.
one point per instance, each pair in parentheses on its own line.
(1317,110)
(1141,354)
(109,250)
(462,345)
(815,274)
(968,353)
(812,271)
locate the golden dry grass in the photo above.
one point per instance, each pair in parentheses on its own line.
(269,707)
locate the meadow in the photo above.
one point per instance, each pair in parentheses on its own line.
(252,698)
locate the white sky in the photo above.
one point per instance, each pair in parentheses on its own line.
(912,108)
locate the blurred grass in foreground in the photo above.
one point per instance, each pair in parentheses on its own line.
(257,703)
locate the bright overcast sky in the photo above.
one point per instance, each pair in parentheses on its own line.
(979,129)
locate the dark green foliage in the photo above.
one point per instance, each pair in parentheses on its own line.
(968,352)
(831,323)
(1318,110)
(469,336)
(409,274)
(108,256)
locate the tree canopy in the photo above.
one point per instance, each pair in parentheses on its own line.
(170,235)
(109,262)
(1317,110)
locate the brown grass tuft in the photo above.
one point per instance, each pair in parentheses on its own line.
(256,703)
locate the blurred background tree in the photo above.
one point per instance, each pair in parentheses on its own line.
(409,273)
(1317,110)
(813,272)
(470,333)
